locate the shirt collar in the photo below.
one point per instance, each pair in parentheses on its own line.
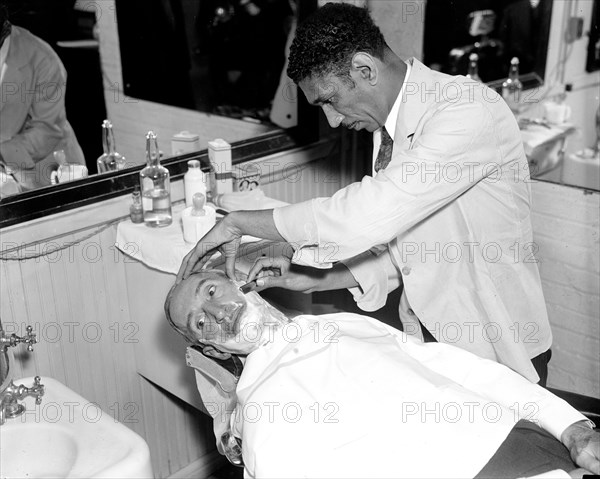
(390,123)
(3,56)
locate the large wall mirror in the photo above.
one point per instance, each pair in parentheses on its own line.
(166,59)
(224,57)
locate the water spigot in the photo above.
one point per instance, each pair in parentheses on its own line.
(9,406)
(12,340)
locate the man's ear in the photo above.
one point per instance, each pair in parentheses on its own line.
(364,67)
(213,352)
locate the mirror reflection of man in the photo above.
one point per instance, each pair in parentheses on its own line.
(343,395)
(33,123)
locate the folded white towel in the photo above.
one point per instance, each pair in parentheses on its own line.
(164,248)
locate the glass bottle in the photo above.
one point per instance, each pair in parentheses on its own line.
(194,181)
(473,71)
(512,86)
(135,210)
(155,184)
(110,160)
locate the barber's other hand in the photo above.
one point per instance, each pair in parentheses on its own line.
(224,237)
(279,272)
(584,445)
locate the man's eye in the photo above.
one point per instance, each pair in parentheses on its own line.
(212,290)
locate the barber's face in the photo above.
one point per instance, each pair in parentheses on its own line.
(343,104)
(215,312)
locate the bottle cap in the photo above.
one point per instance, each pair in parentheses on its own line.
(219,144)
(193,164)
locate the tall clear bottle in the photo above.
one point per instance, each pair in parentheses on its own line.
(473,71)
(512,86)
(110,160)
(155,185)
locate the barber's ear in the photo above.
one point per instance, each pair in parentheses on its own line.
(213,352)
(364,67)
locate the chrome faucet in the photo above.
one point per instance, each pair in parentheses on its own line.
(12,340)
(9,407)
(10,393)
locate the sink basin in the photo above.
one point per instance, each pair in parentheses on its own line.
(67,436)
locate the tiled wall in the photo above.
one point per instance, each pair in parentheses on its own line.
(566,230)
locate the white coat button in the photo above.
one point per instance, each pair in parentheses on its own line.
(406,270)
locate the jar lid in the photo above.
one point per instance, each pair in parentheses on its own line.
(186,136)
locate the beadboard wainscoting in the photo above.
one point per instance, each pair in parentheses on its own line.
(63,275)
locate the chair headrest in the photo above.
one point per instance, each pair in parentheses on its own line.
(225,372)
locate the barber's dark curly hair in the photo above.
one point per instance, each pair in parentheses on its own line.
(326,41)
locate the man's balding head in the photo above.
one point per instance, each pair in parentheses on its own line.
(208,308)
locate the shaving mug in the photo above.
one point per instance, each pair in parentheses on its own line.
(68,172)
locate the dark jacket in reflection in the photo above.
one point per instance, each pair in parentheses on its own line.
(245,44)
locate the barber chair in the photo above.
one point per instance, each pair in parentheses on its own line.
(217,381)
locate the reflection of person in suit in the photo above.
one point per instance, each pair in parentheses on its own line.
(34,123)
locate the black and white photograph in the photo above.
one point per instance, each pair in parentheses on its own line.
(267,239)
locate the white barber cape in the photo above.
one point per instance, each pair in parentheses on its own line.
(343,395)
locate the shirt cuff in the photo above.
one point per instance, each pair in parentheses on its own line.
(298,227)
(296,223)
(372,278)
(558,416)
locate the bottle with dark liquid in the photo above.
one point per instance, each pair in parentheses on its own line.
(155,186)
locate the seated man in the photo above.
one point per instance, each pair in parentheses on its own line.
(342,395)
(34,124)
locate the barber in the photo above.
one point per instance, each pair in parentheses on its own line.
(446,213)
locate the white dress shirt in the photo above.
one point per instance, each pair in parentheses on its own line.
(449,218)
(390,124)
(343,395)
(3,55)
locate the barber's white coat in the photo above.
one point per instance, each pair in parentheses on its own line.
(346,396)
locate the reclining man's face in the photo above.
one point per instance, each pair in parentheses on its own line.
(209,308)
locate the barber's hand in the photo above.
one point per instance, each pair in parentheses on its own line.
(279,272)
(584,445)
(223,237)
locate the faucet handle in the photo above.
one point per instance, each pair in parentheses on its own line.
(29,339)
(38,389)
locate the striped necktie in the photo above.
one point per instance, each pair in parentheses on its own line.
(385,150)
